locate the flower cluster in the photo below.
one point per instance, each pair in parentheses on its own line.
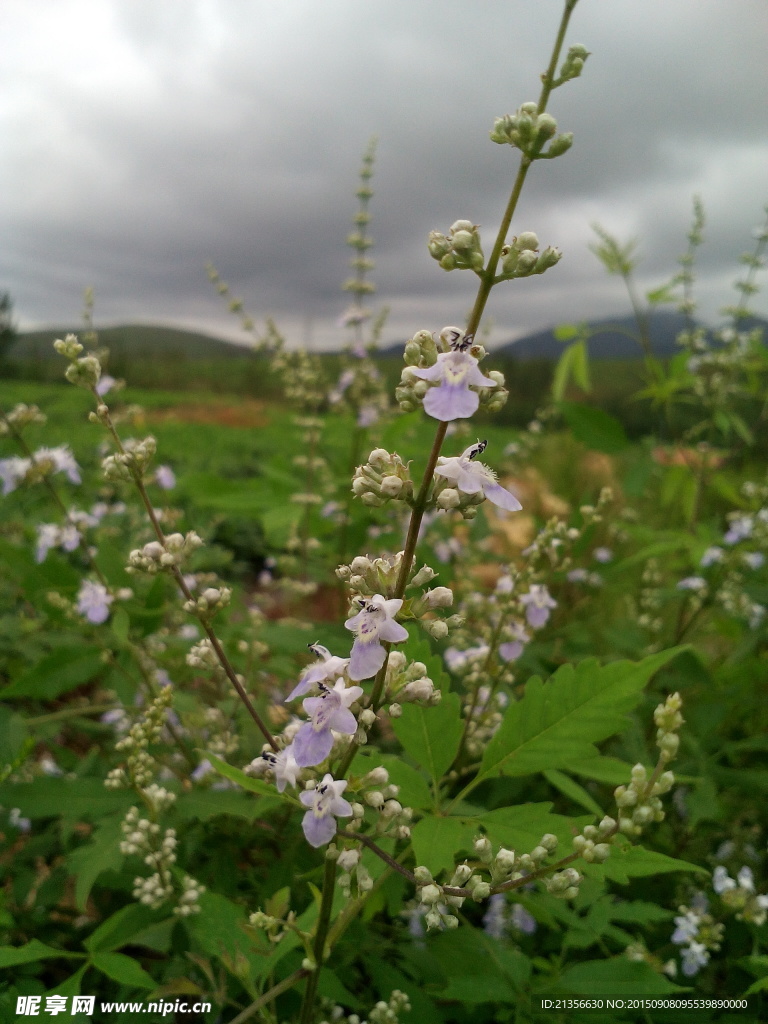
(157,557)
(382,478)
(699,934)
(460,249)
(132,462)
(521,257)
(535,132)
(41,464)
(739,895)
(448,382)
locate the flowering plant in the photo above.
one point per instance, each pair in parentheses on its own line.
(439,811)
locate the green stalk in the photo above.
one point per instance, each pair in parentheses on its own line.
(487,282)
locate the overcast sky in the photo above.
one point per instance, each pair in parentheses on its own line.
(141,138)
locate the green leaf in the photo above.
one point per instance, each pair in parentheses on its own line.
(34,950)
(124,969)
(431,736)
(521,828)
(562,374)
(71,799)
(560,721)
(58,672)
(627,862)
(438,840)
(594,428)
(245,781)
(414,791)
(603,769)
(479,969)
(102,853)
(13,734)
(120,928)
(121,625)
(204,804)
(568,787)
(581,366)
(565,332)
(616,976)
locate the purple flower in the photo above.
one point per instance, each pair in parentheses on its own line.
(48,536)
(754,559)
(373,623)
(12,472)
(457,660)
(165,478)
(538,603)
(105,384)
(710,556)
(329,667)
(367,416)
(93,601)
(696,583)
(687,927)
(511,650)
(741,527)
(475,478)
(284,766)
(63,461)
(602,555)
(330,710)
(325,804)
(454,373)
(522,919)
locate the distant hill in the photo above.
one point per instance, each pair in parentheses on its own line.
(132,340)
(614,338)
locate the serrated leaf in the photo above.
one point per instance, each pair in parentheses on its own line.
(431,736)
(520,828)
(437,841)
(124,969)
(627,862)
(560,721)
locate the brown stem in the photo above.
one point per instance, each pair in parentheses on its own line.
(367,841)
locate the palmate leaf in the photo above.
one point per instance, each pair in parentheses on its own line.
(560,721)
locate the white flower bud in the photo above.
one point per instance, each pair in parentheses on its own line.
(348,859)
(431,894)
(391,486)
(440,597)
(448,498)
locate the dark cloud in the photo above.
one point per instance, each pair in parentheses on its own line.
(143,139)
